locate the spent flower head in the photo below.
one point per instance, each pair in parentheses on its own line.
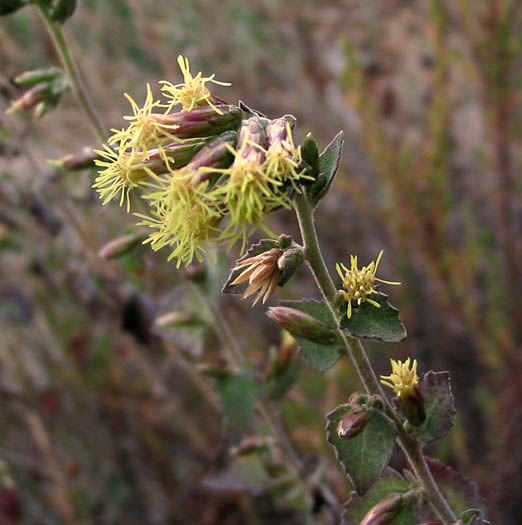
(193,91)
(262,273)
(359,284)
(403,379)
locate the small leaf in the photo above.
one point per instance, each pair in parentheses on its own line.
(328,164)
(318,356)
(391,483)
(460,492)
(261,247)
(368,321)
(438,405)
(365,456)
(238,394)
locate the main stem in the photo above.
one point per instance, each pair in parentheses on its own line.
(354,348)
(55,30)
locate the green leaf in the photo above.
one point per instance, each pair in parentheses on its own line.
(391,483)
(438,405)
(368,321)
(461,493)
(318,356)
(328,164)
(261,247)
(365,456)
(238,394)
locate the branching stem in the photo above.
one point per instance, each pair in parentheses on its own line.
(412,447)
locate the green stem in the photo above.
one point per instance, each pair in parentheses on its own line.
(354,348)
(69,65)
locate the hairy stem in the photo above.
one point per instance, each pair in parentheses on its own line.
(69,65)
(354,348)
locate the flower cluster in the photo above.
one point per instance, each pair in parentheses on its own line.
(208,172)
(359,284)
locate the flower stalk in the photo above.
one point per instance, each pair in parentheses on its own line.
(354,348)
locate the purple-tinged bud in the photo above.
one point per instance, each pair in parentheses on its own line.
(285,357)
(77,161)
(353,423)
(290,259)
(201,122)
(217,154)
(31,98)
(384,512)
(252,141)
(177,319)
(301,324)
(120,246)
(277,130)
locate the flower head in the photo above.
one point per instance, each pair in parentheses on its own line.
(403,379)
(262,273)
(249,191)
(359,284)
(123,170)
(193,91)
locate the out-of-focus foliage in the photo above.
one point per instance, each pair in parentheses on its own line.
(103,418)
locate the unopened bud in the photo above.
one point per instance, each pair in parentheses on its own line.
(216,154)
(353,423)
(277,129)
(76,161)
(285,241)
(301,324)
(290,259)
(252,141)
(177,319)
(31,98)
(285,356)
(120,246)
(31,78)
(61,10)
(8,7)
(202,121)
(250,445)
(384,512)
(311,154)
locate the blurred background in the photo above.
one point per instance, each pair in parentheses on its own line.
(104,416)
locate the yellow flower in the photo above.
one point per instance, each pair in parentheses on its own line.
(193,92)
(183,215)
(147,129)
(358,284)
(122,172)
(404,379)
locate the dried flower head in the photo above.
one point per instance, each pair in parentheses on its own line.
(193,91)
(359,284)
(403,379)
(262,273)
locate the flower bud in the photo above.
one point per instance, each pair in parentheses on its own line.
(61,10)
(201,122)
(120,246)
(412,405)
(76,161)
(8,7)
(31,78)
(285,356)
(311,154)
(177,319)
(384,512)
(290,259)
(353,423)
(252,141)
(301,324)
